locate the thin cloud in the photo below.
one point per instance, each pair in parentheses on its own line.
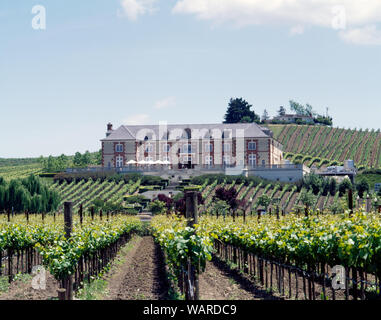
(137,119)
(165,103)
(296,15)
(369,35)
(133,9)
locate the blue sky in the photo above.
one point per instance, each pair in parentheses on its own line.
(143,61)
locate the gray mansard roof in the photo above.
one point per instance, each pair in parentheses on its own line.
(180,131)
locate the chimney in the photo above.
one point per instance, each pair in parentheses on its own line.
(109,129)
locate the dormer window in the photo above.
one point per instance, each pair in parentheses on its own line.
(119,147)
(226,134)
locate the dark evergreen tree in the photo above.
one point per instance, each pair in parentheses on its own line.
(362,188)
(239,111)
(281,111)
(332,187)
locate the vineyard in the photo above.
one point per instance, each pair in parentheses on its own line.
(287,196)
(32,240)
(288,246)
(20,171)
(84,192)
(291,255)
(324,146)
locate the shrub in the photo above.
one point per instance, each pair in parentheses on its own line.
(157,207)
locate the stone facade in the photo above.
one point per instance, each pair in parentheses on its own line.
(218,145)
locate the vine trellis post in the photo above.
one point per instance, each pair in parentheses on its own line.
(68,220)
(192,279)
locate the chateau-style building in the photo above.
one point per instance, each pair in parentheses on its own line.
(191,146)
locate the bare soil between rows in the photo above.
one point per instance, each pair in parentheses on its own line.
(141,276)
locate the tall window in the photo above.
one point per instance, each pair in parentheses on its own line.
(226,147)
(252,160)
(149,148)
(226,160)
(166,147)
(187,148)
(252,146)
(208,160)
(119,147)
(208,147)
(119,162)
(263,162)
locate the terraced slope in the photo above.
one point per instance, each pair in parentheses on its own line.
(324,146)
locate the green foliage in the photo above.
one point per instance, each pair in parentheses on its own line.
(136,199)
(239,111)
(264,201)
(331,144)
(157,207)
(307,199)
(28,194)
(336,207)
(181,243)
(281,111)
(363,188)
(344,186)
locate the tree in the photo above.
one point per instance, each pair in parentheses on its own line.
(309,111)
(230,196)
(313,182)
(98,157)
(220,207)
(281,111)
(246,119)
(168,202)
(344,186)
(157,207)
(27,194)
(265,116)
(264,200)
(238,110)
(362,187)
(297,108)
(86,159)
(307,199)
(77,159)
(336,207)
(332,187)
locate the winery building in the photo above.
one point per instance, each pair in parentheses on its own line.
(190,146)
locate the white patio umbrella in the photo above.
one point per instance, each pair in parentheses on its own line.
(150,162)
(142,162)
(159,162)
(166,162)
(131,162)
